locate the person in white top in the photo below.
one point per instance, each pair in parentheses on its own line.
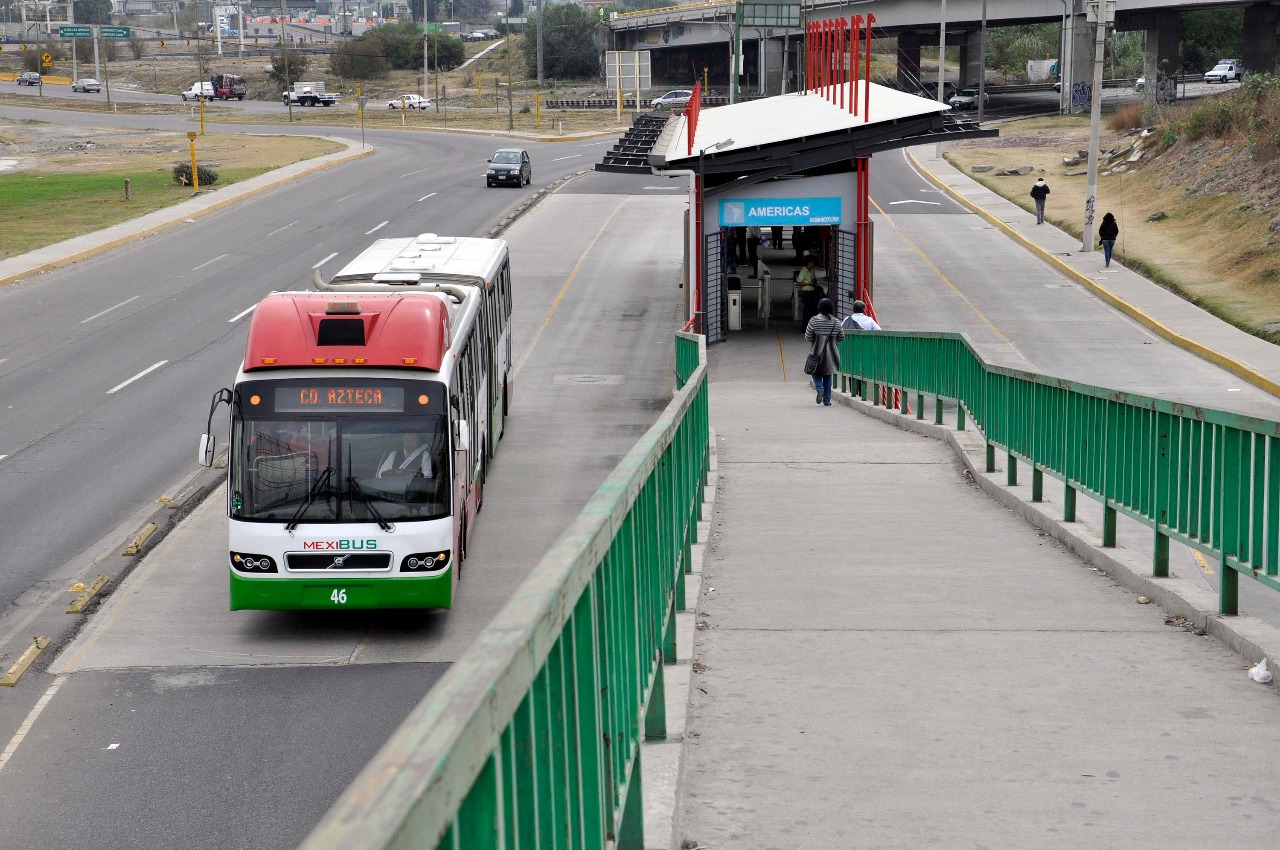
(858,320)
(411,457)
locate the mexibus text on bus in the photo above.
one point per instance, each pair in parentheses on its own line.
(362,421)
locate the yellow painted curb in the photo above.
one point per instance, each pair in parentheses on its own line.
(80,602)
(135,544)
(24,661)
(178,219)
(1153,324)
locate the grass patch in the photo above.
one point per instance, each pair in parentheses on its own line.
(41,209)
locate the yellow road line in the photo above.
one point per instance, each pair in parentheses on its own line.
(30,721)
(947,281)
(781,357)
(78,604)
(1204,565)
(560,295)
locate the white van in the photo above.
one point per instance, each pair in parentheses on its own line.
(199,91)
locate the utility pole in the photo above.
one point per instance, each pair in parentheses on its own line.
(982,49)
(942,62)
(71,19)
(284,55)
(511,112)
(1101,13)
(540,45)
(426,46)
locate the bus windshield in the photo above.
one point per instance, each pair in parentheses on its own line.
(366,469)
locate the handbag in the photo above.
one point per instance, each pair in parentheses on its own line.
(814,360)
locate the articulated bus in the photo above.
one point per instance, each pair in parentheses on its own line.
(361,422)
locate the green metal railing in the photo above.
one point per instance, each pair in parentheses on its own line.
(532,739)
(1204,477)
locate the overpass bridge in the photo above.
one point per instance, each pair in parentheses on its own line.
(686,38)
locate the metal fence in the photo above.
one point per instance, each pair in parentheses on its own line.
(715,286)
(1204,477)
(532,739)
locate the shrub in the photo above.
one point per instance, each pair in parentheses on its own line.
(1126,117)
(182,174)
(298,64)
(359,60)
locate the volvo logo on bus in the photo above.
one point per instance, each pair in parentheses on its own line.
(340,545)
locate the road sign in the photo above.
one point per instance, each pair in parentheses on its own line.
(75,32)
(46,58)
(113,32)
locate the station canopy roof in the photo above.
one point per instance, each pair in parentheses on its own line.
(806,134)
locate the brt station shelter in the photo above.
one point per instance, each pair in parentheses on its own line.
(796,166)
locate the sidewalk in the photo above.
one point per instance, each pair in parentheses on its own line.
(887,657)
(1170,316)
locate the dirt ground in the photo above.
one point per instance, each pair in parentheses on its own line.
(61,149)
(1216,247)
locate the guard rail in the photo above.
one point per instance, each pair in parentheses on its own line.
(532,738)
(1204,477)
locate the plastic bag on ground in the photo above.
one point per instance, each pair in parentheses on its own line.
(1259,672)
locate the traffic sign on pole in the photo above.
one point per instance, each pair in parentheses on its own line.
(75,32)
(46,59)
(113,32)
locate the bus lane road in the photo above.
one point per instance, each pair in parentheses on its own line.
(178,299)
(239,729)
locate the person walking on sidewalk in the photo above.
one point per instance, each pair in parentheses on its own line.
(1039,192)
(1107,233)
(822,333)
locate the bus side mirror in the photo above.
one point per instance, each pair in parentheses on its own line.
(462,436)
(208,446)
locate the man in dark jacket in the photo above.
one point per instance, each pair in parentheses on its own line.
(1039,192)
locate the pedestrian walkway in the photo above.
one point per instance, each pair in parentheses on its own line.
(886,657)
(1172,317)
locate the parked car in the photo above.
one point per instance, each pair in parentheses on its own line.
(679,97)
(199,91)
(968,99)
(1225,72)
(29,78)
(1140,84)
(86,84)
(509,165)
(409,101)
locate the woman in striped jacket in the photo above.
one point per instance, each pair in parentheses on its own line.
(823,333)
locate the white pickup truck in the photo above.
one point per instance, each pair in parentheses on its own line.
(199,91)
(309,94)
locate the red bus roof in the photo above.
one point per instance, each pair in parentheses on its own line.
(327,329)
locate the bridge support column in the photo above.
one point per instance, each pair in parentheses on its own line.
(1162,42)
(909,61)
(1080,49)
(971,64)
(1260,37)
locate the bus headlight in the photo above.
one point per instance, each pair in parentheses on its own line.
(425,562)
(248,563)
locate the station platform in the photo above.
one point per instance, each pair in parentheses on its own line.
(887,657)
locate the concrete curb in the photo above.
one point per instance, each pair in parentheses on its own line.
(1247,636)
(530,202)
(180,213)
(1213,356)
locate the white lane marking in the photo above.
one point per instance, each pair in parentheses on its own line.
(278,229)
(424,197)
(214,260)
(325,260)
(112,746)
(571,156)
(145,371)
(914,201)
(344,197)
(596,144)
(2,457)
(411,173)
(4,359)
(32,715)
(664,188)
(238,316)
(105,312)
(376,229)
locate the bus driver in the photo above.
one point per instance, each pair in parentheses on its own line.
(412,456)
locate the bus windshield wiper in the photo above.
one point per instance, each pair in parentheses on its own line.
(325,475)
(368,503)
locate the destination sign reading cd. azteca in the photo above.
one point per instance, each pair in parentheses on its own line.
(324,399)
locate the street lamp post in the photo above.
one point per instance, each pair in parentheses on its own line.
(942,59)
(1102,13)
(702,270)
